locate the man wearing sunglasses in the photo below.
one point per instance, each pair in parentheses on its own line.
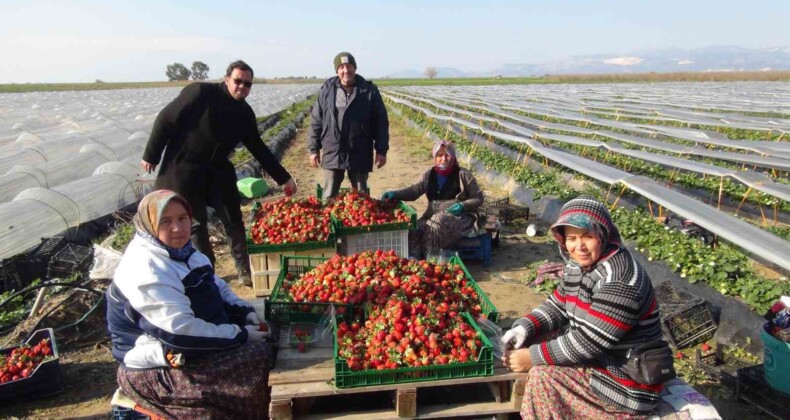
(197,132)
(349,123)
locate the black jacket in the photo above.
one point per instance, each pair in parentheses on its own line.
(365,127)
(197,131)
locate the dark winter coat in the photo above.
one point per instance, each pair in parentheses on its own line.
(197,131)
(365,127)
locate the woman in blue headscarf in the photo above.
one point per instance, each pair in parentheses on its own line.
(453,200)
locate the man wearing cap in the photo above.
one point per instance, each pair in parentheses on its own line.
(192,138)
(350,124)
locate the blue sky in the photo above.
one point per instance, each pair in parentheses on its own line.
(81,41)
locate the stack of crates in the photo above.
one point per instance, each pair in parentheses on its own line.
(265,260)
(390,236)
(477,247)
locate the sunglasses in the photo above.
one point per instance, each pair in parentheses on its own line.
(240,82)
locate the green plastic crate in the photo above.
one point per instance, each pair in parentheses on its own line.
(483,366)
(489,310)
(253,248)
(284,311)
(340,230)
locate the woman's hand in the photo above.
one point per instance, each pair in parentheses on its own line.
(516,335)
(252,319)
(254,335)
(517,360)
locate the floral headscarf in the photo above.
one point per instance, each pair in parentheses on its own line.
(586,212)
(146,221)
(449,148)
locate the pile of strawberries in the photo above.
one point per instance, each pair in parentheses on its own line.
(23,360)
(293,220)
(414,309)
(289,220)
(354,208)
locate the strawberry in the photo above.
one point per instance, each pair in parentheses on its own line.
(679,355)
(705,347)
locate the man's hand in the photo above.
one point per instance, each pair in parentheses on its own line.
(315,159)
(517,360)
(381,160)
(147,167)
(290,187)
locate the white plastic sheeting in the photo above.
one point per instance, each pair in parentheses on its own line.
(754,180)
(67,158)
(759,242)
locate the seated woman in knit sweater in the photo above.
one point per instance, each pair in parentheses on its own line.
(453,199)
(603,306)
(178,330)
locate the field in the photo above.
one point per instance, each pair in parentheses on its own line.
(690,151)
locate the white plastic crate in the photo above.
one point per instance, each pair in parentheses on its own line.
(264,268)
(397,240)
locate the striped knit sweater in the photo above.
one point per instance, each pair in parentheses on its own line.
(607,309)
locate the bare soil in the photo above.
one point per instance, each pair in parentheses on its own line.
(89,369)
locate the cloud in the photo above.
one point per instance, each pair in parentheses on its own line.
(624,61)
(684,62)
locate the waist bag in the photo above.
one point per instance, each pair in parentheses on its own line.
(650,363)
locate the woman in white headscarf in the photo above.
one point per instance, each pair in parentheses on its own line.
(453,200)
(188,346)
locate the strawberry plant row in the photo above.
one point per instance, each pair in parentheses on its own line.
(724,268)
(729,188)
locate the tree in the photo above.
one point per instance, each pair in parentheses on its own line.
(177,71)
(199,70)
(430,72)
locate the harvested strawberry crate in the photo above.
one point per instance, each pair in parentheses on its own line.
(341,230)
(46,379)
(284,310)
(255,248)
(265,259)
(483,366)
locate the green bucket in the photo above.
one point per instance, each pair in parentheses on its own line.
(776,361)
(252,187)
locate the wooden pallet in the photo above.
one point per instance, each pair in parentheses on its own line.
(299,380)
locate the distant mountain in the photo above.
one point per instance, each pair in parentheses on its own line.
(713,58)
